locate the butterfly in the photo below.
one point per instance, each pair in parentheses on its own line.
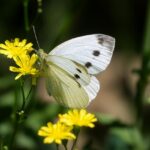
(71,67)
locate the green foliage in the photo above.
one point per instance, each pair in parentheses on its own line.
(130,136)
(106,119)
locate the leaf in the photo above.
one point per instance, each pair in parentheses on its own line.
(5,129)
(40,116)
(131,136)
(106,119)
(147,101)
(24,141)
(113,142)
(6,82)
(7,99)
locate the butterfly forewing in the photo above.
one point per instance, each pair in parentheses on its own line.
(94,52)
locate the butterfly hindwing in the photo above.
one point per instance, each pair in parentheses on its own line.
(91,51)
(93,88)
(76,71)
(65,89)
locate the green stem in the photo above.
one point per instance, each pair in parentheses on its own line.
(74,144)
(57,146)
(146,43)
(144,72)
(30,91)
(65,147)
(16,125)
(19,116)
(26,17)
(76,131)
(23,95)
(140,89)
(64,143)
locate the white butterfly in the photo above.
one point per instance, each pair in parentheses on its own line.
(71,65)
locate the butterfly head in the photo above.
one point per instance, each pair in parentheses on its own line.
(42,54)
(42,60)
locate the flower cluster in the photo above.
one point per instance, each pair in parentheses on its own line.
(63,129)
(56,133)
(78,118)
(20,52)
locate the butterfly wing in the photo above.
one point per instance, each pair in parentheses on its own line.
(92,51)
(75,71)
(65,89)
(71,66)
(93,88)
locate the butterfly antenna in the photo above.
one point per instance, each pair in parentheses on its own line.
(33,27)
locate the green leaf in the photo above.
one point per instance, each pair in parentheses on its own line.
(147,100)
(113,142)
(131,136)
(6,82)
(106,119)
(40,116)
(5,129)
(7,99)
(24,141)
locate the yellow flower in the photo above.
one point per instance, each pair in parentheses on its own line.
(15,48)
(26,64)
(56,133)
(78,118)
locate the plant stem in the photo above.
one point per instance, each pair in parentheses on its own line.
(23,95)
(65,147)
(20,115)
(144,72)
(16,125)
(26,17)
(76,131)
(57,146)
(28,96)
(140,89)
(64,143)
(146,43)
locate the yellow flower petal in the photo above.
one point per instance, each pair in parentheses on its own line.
(16,42)
(25,65)
(18,76)
(15,48)
(56,133)
(78,118)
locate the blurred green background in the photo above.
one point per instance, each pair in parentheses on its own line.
(61,20)
(70,18)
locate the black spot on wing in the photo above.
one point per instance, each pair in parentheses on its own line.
(76,76)
(96,52)
(79,70)
(88,64)
(106,41)
(100,39)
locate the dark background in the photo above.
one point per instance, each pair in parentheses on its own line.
(61,20)
(122,19)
